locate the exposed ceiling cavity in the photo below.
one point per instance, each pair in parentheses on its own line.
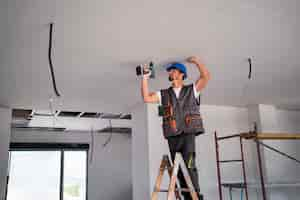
(29,113)
(124,130)
(63,121)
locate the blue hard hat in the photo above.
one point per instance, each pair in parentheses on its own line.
(181,67)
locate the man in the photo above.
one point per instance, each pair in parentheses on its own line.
(182,121)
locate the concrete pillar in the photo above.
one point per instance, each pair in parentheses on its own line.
(148,147)
(140,153)
(5,119)
(158,146)
(277,168)
(265,117)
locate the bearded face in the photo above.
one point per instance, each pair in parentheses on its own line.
(175,74)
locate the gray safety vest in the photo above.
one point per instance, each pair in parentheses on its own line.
(186,112)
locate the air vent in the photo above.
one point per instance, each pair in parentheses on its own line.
(68,114)
(124,130)
(90,115)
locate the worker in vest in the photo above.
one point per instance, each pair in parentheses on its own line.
(182,121)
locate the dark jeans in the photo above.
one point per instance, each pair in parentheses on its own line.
(185,144)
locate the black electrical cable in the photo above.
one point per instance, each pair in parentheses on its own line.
(50,61)
(244,89)
(250,68)
(280,152)
(110,136)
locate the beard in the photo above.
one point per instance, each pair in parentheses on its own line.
(176,78)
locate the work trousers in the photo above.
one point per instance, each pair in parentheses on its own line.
(185,144)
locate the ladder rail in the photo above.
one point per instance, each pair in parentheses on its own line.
(170,169)
(244,167)
(165,164)
(218,161)
(218,167)
(180,162)
(173,189)
(172,183)
(158,180)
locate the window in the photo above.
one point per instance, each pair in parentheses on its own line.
(34,175)
(74,175)
(54,172)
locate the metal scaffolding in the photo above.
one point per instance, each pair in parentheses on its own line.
(256,137)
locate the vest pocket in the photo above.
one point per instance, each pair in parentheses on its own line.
(192,118)
(193,121)
(169,123)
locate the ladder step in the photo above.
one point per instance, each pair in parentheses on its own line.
(227,161)
(179,190)
(234,185)
(229,136)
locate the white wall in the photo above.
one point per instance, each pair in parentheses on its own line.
(110,171)
(5,117)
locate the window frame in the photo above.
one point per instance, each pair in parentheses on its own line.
(62,147)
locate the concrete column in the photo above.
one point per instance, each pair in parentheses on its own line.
(278,168)
(140,153)
(157,146)
(255,117)
(5,119)
(148,147)
(266,120)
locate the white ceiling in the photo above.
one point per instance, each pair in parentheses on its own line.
(98,43)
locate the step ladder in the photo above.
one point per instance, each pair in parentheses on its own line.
(173,190)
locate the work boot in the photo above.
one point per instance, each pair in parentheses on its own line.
(187,196)
(200,196)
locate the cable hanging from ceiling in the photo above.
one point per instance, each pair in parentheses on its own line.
(50,61)
(110,136)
